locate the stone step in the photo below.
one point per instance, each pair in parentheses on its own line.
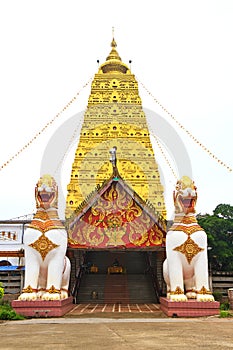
(116,289)
(131,286)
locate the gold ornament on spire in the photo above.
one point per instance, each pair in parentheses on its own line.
(113,54)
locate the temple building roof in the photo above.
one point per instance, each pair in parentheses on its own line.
(115,216)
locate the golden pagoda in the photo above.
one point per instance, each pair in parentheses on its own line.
(114,118)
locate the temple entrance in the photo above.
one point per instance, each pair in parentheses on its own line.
(119,277)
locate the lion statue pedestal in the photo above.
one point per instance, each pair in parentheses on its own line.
(185,269)
(47,269)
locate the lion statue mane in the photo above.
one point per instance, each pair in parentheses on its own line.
(185,269)
(47,269)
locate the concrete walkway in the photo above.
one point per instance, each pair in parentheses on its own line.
(117,334)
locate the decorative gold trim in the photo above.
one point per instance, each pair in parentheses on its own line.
(186,220)
(53,290)
(115,219)
(46,215)
(44,226)
(189,248)
(43,245)
(203,290)
(29,289)
(187,229)
(177,291)
(45,220)
(190,291)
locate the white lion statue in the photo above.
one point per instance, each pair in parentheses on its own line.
(186,268)
(47,269)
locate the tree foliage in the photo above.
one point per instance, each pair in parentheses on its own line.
(1,291)
(219,229)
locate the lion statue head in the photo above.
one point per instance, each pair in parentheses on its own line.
(46,192)
(185,196)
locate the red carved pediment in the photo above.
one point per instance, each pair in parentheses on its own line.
(116,217)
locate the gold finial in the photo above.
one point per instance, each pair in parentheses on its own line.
(113,54)
(113,43)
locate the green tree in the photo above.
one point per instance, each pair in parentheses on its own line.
(219,229)
(1,291)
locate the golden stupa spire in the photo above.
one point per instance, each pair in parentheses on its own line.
(114,119)
(113,54)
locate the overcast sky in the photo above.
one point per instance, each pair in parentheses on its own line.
(181,50)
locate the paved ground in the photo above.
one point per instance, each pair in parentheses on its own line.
(116,310)
(117,334)
(117,327)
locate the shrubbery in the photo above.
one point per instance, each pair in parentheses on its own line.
(6,311)
(225,313)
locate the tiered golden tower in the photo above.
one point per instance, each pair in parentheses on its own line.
(114,117)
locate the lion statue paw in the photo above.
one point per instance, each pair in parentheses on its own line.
(178,297)
(64,294)
(49,296)
(28,296)
(205,297)
(52,294)
(191,295)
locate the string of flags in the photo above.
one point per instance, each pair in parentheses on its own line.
(45,126)
(185,130)
(73,137)
(154,98)
(163,153)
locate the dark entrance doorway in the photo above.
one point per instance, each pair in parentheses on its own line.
(119,277)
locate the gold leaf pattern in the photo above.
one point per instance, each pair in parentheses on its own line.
(187,229)
(177,291)
(53,290)
(203,291)
(29,289)
(186,220)
(189,248)
(43,245)
(116,219)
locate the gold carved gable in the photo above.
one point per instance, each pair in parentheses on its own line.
(115,219)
